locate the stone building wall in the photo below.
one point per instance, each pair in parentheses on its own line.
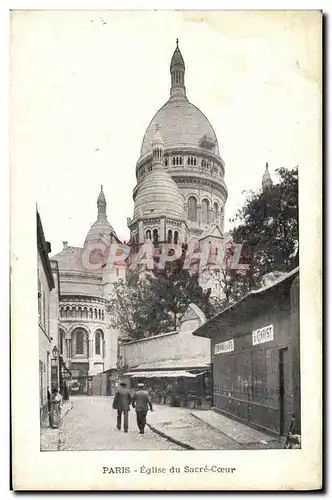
(180,345)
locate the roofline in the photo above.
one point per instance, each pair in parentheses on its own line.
(70,297)
(172,369)
(43,246)
(254,293)
(149,338)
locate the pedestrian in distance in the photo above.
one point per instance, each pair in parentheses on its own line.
(141,401)
(121,403)
(55,412)
(49,406)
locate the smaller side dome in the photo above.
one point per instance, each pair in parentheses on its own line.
(158,194)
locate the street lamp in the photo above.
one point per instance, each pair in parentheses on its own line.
(55,368)
(55,352)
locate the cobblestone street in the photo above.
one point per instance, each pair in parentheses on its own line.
(91,426)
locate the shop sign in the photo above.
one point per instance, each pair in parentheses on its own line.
(227,346)
(262,335)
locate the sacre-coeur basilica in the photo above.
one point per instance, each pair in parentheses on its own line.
(180,195)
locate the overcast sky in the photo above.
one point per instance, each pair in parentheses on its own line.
(85,85)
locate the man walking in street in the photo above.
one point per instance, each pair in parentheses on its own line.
(141,401)
(121,403)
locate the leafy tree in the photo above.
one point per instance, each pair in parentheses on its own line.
(171,290)
(231,281)
(155,303)
(124,305)
(268,227)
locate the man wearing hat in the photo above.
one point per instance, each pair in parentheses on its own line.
(141,402)
(121,403)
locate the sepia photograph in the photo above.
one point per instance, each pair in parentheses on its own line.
(162,153)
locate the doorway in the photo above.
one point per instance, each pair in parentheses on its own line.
(282,389)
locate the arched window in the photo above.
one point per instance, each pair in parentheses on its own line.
(95,314)
(74,312)
(192,209)
(188,160)
(176,237)
(166,162)
(148,234)
(67,312)
(79,312)
(103,315)
(155,236)
(205,211)
(216,208)
(173,161)
(98,341)
(61,341)
(79,342)
(169,236)
(180,161)
(195,162)
(99,314)
(90,313)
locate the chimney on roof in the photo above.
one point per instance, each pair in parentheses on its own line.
(65,245)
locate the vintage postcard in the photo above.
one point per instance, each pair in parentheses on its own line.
(165,249)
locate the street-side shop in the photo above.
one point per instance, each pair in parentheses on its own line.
(255,355)
(174,366)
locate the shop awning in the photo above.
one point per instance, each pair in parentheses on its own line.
(169,374)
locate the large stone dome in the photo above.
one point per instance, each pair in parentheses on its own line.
(182,125)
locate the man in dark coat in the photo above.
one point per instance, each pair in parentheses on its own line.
(141,401)
(121,403)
